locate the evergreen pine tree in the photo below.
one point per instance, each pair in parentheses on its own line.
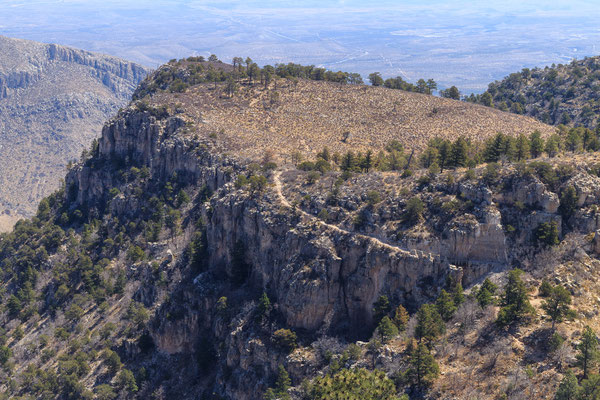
(386,329)
(430,324)
(588,351)
(283,381)
(590,388)
(459,152)
(458,294)
(423,368)
(445,305)
(536,144)
(445,154)
(348,162)
(522,148)
(569,388)
(485,294)
(381,308)
(367,161)
(515,302)
(568,202)
(557,305)
(552,145)
(264,305)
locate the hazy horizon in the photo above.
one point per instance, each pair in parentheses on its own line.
(464,43)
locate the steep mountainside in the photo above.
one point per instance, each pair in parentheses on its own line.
(53,102)
(192,256)
(561,94)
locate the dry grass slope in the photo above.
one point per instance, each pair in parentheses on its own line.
(309,115)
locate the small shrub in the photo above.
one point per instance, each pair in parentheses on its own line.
(258,183)
(353,384)
(285,339)
(114,192)
(556,340)
(112,361)
(424,180)
(125,381)
(373,197)
(105,392)
(222,305)
(135,254)
(269,166)
(322,166)
(5,355)
(346,175)
(546,234)
(306,166)
(61,334)
(359,221)
(414,210)
(354,352)
(137,314)
(18,333)
(241,181)
(490,175)
(323,215)
(74,313)
(312,177)
(545,288)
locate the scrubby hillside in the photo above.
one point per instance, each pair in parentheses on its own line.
(562,94)
(192,256)
(53,101)
(306,115)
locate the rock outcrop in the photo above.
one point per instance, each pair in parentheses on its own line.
(531,192)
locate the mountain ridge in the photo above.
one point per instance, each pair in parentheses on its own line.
(53,100)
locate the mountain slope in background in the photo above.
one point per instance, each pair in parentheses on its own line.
(561,94)
(53,102)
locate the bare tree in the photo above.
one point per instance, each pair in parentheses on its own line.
(493,353)
(563,356)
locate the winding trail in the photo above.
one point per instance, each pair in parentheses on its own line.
(372,239)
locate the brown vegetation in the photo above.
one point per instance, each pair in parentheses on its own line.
(305,116)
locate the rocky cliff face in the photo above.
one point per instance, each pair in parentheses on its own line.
(319,274)
(142,139)
(323,278)
(53,102)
